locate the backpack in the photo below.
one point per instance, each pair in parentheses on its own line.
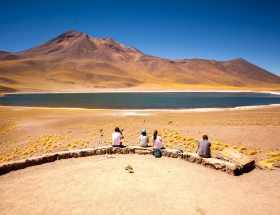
(157,153)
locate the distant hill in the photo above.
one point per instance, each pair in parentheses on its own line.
(74,61)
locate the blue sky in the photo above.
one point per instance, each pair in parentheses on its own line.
(217,29)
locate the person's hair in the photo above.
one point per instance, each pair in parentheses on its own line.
(144,133)
(155,134)
(205,137)
(117,129)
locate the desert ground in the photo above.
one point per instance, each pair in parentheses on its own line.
(26,132)
(101,185)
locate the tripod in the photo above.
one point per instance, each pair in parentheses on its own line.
(101,138)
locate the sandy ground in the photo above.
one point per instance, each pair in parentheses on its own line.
(101,185)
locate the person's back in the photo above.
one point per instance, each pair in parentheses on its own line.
(204,147)
(157,141)
(158,144)
(143,139)
(116,137)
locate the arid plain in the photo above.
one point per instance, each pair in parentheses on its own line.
(28,132)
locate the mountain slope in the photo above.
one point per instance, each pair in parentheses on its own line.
(74,61)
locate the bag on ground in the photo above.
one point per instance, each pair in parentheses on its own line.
(157,153)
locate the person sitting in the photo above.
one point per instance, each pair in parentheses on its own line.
(203,147)
(143,139)
(117,136)
(157,141)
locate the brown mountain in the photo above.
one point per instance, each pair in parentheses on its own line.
(74,61)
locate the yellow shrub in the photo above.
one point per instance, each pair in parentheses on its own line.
(252,152)
(265,163)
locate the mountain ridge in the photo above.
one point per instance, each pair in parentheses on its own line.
(74,60)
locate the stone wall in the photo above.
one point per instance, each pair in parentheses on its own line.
(218,164)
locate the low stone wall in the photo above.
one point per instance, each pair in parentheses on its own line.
(228,167)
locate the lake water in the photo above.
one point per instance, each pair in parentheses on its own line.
(170,100)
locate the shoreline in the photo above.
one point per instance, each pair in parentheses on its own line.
(145,110)
(145,91)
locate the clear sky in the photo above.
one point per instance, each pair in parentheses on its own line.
(217,29)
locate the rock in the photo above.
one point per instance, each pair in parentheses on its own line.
(103,151)
(277,164)
(3,169)
(185,156)
(166,152)
(82,154)
(128,167)
(210,165)
(131,150)
(198,160)
(64,155)
(180,155)
(243,161)
(219,166)
(191,159)
(237,165)
(109,150)
(33,162)
(92,152)
(234,170)
(86,153)
(98,152)
(174,154)
(116,150)
(125,151)
(142,152)
(75,154)
(47,158)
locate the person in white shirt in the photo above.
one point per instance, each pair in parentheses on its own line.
(143,139)
(157,141)
(117,137)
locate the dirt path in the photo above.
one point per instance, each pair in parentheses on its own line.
(101,185)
